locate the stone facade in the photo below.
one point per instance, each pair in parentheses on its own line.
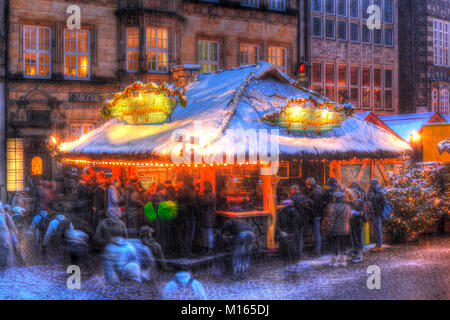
(424,84)
(53,94)
(2,100)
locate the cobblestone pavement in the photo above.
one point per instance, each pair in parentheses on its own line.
(412,271)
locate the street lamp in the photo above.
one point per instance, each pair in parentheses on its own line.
(415,140)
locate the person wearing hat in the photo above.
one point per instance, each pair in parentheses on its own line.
(338,228)
(376,199)
(134,206)
(302,204)
(314,193)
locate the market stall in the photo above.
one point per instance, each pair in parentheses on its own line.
(251,131)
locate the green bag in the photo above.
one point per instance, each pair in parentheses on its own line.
(149,212)
(167,210)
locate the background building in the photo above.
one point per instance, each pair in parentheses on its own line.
(3,32)
(353,54)
(59,77)
(425,56)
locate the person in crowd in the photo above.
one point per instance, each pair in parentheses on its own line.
(147,263)
(18,216)
(19,198)
(314,193)
(134,206)
(109,228)
(331,187)
(184,287)
(242,239)
(146,236)
(59,206)
(208,215)
(301,204)
(54,243)
(98,200)
(10,253)
(337,227)
(376,200)
(77,245)
(159,196)
(38,228)
(115,196)
(42,201)
(186,216)
(83,204)
(356,203)
(121,262)
(287,231)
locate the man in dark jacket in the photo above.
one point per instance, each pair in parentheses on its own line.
(208,215)
(331,187)
(109,228)
(301,204)
(186,216)
(242,239)
(287,231)
(314,193)
(376,199)
(134,206)
(84,200)
(356,197)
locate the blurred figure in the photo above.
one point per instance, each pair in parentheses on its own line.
(77,245)
(186,216)
(18,199)
(115,196)
(184,287)
(83,203)
(10,253)
(59,205)
(314,193)
(146,236)
(134,206)
(18,216)
(242,239)
(109,228)
(331,187)
(54,243)
(356,198)
(287,231)
(98,200)
(121,262)
(208,215)
(146,260)
(38,228)
(337,227)
(301,204)
(377,201)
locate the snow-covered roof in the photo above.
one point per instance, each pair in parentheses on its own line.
(405,124)
(446,117)
(231,100)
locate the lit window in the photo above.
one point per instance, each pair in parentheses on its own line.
(248,54)
(366,88)
(157,49)
(208,55)
(76,54)
(36,51)
(132,49)
(317,72)
(443,102)
(277,56)
(329,81)
(377,90)
(354,86)
(36,166)
(388,93)
(277,5)
(80,129)
(250,3)
(14,164)
(434,101)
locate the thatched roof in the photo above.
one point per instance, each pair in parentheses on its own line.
(228,101)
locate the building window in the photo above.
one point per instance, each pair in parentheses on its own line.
(446,47)
(36,52)
(80,129)
(354,32)
(208,55)
(36,166)
(342,8)
(366,38)
(277,56)
(14,165)
(316,73)
(248,54)
(377,36)
(354,86)
(329,7)
(388,11)
(317,6)
(388,37)
(317,27)
(342,30)
(365,5)
(329,81)
(434,100)
(366,88)
(354,9)
(277,5)
(377,89)
(342,84)
(76,54)
(438,42)
(443,102)
(388,92)
(132,49)
(157,49)
(329,29)
(250,3)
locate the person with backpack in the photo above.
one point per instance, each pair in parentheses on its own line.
(54,238)
(301,204)
(184,287)
(314,193)
(109,228)
(377,201)
(38,228)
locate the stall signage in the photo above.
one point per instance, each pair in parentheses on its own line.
(146,108)
(298,118)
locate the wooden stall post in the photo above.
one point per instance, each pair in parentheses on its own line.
(270,183)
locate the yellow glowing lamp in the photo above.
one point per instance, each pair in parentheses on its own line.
(414,136)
